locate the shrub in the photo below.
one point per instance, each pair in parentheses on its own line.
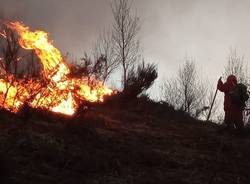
(140,79)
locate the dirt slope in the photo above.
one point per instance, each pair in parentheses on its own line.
(117,146)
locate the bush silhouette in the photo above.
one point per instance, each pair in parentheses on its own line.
(140,79)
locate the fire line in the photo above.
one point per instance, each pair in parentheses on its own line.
(55,91)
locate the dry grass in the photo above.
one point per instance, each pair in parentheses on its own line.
(107,145)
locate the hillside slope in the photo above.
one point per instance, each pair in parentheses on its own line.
(114,145)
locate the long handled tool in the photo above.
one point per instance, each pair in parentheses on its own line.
(210,110)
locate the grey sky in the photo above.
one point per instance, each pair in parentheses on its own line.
(171,29)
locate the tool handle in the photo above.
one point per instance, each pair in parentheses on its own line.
(210,110)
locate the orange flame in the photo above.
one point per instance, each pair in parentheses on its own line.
(55,92)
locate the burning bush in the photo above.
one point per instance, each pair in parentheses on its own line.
(56,90)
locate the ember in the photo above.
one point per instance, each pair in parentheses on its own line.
(55,91)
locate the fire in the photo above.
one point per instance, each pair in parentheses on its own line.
(55,91)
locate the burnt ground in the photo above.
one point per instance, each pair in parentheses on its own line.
(110,145)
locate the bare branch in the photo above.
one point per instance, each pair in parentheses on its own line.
(236,65)
(124,34)
(104,52)
(186,91)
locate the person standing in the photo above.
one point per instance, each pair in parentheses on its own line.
(234,104)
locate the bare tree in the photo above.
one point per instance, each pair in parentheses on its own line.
(104,51)
(124,35)
(88,68)
(192,89)
(83,68)
(171,92)
(33,65)
(9,51)
(236,65)
(186,91)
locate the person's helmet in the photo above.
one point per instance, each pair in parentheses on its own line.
(232,79)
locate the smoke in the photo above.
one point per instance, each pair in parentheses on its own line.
(73,25)
(171,29)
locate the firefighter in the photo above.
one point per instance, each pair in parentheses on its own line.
(233,111)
